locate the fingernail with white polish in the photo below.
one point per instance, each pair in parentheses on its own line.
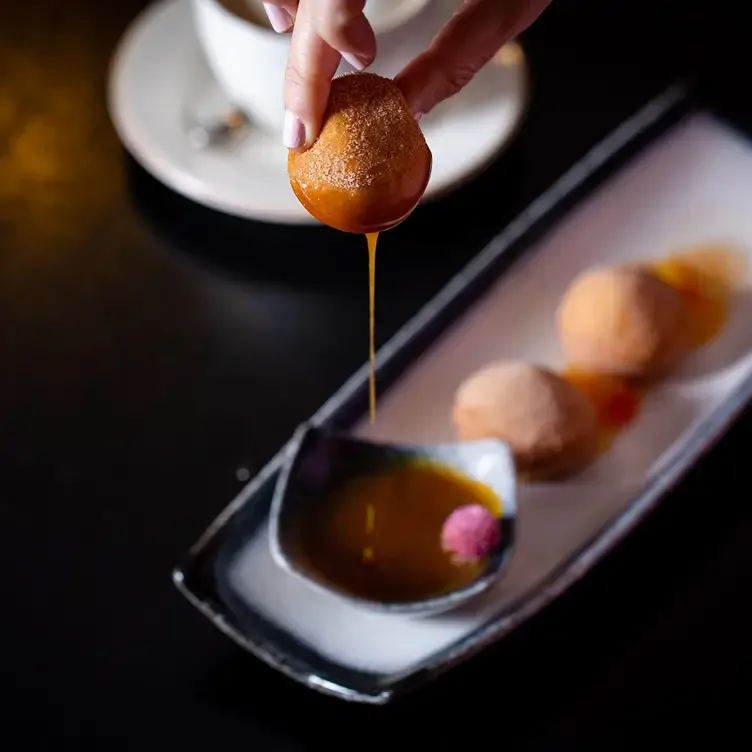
(358,63)
(279,18)
(293,131)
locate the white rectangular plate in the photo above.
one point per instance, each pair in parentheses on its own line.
(693,185)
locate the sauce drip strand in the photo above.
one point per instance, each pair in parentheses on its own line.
(368,554)
(372,239)
(706,278)
(397,555)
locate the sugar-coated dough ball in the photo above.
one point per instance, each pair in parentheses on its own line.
(550,425)
(624,321)
(370,165)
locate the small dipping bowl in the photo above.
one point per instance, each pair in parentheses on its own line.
(318,461)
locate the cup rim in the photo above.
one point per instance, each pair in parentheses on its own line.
(402,12)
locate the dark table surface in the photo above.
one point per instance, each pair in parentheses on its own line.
(150,347)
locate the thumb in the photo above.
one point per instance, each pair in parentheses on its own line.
(475,33)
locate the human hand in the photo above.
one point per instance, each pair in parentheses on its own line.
(324,31)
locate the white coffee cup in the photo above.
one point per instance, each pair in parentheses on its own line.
(248,58)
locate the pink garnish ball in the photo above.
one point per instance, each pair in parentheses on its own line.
(470,533)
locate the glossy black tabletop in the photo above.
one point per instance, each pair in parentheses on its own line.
(149,348)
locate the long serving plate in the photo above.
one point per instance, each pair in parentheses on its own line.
(677,173)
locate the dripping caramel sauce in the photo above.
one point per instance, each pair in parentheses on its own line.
(706,277)
(372,240)
(368,553)
(379,537)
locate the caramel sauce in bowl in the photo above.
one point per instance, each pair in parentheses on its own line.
(363,520)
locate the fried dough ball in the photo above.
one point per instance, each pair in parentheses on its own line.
(550,425)
(370,165)
(623,321)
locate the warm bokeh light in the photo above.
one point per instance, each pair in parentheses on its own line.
(509,55)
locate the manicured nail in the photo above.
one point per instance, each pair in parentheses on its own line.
(293,132)
(357,62)
(418,116)
(279,18)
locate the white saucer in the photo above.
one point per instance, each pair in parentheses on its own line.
(158,73)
